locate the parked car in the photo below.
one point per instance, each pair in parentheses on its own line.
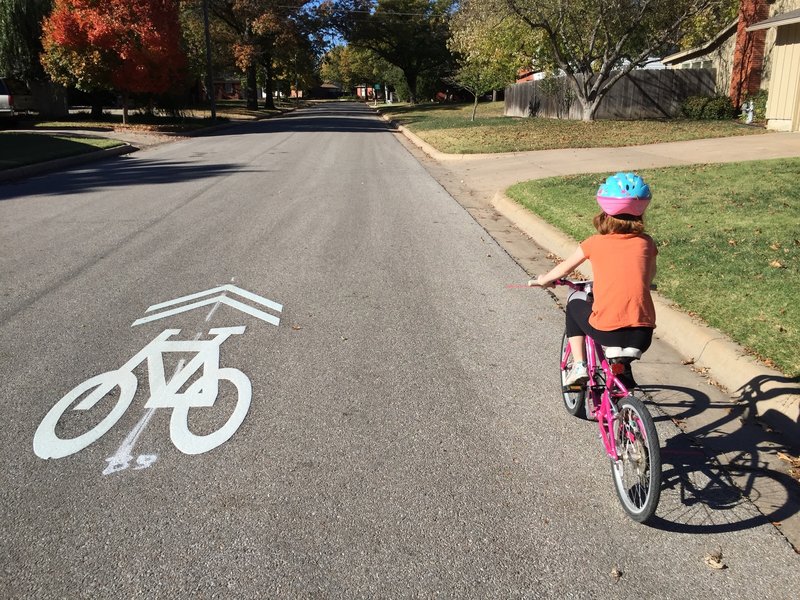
(15,98)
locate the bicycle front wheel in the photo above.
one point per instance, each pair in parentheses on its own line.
(637,469)
(574,399)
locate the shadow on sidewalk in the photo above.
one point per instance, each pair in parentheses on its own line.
(717,469)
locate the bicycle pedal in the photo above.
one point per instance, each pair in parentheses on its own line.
(578,387)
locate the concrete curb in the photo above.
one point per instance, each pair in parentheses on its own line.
(774,397)
(425,146)
(64,163)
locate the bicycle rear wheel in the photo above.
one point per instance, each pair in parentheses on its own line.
(637,470)
(574,399)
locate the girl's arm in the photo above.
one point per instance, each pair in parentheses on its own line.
(560,270)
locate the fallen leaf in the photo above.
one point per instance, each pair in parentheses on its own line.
(687,361)
(616,574)
(714,560)
(775,246)
(296,327)
(776,264)
(732,242)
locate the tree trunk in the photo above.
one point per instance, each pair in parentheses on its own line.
(474,107)
(590,108)
(269,84)
(124,108)
(97,105)
(411,82)
(250,92)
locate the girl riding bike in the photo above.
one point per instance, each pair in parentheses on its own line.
(620,312)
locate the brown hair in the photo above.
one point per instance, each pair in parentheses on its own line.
(618,224)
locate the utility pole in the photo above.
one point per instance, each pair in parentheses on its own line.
(209,73)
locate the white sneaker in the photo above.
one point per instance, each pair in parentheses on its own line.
(577,375)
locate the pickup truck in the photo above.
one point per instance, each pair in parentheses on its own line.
(15,98)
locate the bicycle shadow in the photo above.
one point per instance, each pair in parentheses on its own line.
(766,388)
(700,494)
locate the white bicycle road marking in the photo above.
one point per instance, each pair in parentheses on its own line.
(201,393)
(122,458)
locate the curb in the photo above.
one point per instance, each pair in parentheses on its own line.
(774,397)
(64,163)
(425,146)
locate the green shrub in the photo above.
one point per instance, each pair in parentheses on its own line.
(708,107)
(719,108)
(692,107)
(759,104)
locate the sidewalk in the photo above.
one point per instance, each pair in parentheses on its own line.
(743,414)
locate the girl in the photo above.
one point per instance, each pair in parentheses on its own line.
(620,311)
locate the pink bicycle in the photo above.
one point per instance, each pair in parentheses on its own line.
(626,426)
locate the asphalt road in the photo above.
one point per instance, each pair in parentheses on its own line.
(405,436)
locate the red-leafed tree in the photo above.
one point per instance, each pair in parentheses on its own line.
(130,46)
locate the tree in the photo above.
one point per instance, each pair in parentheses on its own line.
(595,43)
(704,26)
(350,66)
(410,34)
(20,38)
(490,48)
(260,27)
(130,46)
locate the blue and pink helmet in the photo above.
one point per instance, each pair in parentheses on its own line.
(624,194)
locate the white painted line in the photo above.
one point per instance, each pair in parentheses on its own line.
(223,288)
(259,314)
(211,312)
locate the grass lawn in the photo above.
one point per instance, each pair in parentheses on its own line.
(448,129)
(19,149)
(190,119)
(728,239)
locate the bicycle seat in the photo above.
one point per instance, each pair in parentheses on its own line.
(619,352)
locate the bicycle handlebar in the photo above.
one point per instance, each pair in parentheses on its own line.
(583,286)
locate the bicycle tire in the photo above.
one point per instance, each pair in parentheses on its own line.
(639,454)
(574,402)
(191,443)
(46,444)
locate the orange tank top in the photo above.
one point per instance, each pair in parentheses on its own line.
(623,269)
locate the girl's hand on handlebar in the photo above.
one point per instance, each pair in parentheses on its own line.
(540,281)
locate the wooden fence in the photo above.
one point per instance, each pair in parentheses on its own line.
(642,94)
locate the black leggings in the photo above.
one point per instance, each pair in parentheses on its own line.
(578,311)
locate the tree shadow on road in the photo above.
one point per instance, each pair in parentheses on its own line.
(714,473)
(117,173)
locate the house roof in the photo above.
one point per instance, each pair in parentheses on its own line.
(683,56)
(787,18)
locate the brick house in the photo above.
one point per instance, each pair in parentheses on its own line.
(760,50)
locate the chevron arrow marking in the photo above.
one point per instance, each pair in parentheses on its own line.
(221,298)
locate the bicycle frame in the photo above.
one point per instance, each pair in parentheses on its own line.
(603,387)
(600,393)
(163,393)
